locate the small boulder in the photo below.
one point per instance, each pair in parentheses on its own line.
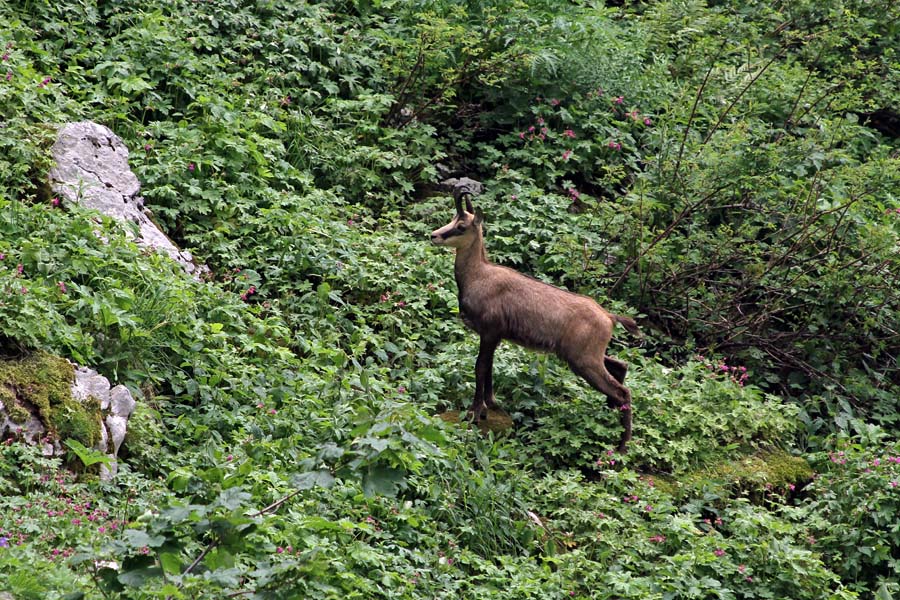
(92,170)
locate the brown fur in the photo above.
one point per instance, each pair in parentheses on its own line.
(501,304)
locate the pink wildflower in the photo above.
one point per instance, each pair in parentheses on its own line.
(44,82)
(569,133)
(647,121)
(567,154)
(719,552)
(619,100)
(659,539)
(191,167)
(554,102)
(62,286)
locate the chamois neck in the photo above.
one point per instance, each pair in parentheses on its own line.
(469,259)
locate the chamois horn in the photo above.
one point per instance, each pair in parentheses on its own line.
(464,190)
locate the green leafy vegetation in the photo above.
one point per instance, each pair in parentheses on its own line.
(726,172)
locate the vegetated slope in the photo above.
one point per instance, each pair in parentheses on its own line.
(703,166)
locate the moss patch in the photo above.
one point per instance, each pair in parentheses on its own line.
(496,420)
(754,475)
(43,382)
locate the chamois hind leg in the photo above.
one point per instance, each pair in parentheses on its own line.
(617,368)
(618,396)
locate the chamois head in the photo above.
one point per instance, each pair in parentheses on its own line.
(461,231)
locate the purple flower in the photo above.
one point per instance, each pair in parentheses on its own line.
(5,56)
(8,75)
(719,552)
(647,121)
(4,542)
(191,167)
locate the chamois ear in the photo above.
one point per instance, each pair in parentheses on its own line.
(479,216)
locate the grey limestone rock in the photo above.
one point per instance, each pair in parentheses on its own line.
(92,169)
(462,185)
(121,403)
(116,403)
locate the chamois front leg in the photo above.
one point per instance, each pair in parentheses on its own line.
(484,386)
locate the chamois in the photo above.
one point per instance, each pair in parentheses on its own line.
(499,303)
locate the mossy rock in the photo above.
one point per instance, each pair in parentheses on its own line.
(753,475)
(495,420)
(42,383)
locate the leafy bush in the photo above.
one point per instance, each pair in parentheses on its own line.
(853,510)
(685,418)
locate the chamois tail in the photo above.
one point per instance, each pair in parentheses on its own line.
(628,323)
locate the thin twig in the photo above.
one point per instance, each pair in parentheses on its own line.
(687,129)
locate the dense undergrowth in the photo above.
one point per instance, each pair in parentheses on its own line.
(725,171)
